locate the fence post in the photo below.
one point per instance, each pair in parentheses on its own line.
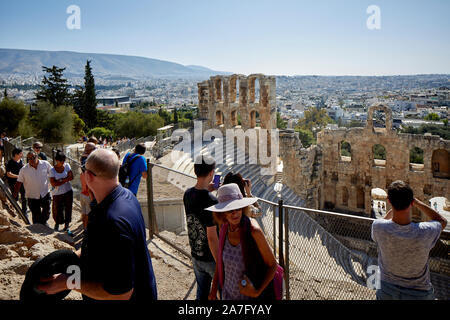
(152,225)
(286,268)
(274,231)
(280,232)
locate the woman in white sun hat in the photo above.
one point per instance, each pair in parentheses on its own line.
(246,266)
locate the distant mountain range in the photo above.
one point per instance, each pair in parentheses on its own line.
(18,61)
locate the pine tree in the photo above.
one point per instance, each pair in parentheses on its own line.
(175,115)
(5,93)
(89,115)
(54,89)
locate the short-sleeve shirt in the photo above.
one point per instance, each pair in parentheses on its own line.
(114,250)
(403,252)
(35,181)
(14,168)
(137,167)
(66,187)
(197,220)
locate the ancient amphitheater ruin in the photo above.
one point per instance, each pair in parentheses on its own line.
(320,175)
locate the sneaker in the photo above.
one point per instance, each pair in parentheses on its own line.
(69,233)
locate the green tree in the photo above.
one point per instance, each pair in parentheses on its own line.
(281,124)
(100,132)
(54,88)
(78,126)
(54,124)
(5,93)
(379,152)
(175,115)
(106,120)
(12,114)
(306,137)
(314,118)
(416,155)
(136,125)
(432,117)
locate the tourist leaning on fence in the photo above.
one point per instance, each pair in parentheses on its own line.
(202,231)
(114,259)
(34,177)
(60,177)
(404,246)
(12,173)
(246,265)
(86,195)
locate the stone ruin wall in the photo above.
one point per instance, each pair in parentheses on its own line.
(318,174)
(224,99)
(326,180)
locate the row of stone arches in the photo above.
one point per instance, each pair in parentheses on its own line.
(254,120)
(254,90)
(440,160)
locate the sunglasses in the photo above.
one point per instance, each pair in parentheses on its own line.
(232,211)
(84,169)
(30,158)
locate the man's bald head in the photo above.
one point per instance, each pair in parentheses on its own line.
(89,147)
(104,164)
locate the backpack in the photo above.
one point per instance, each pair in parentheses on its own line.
(274,291)
(124,172)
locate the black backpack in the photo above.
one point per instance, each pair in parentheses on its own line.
(124,172)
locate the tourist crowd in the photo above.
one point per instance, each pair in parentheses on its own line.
(231,257)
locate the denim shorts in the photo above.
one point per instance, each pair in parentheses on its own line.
(389,291)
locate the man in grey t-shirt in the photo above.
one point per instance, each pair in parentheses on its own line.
(404,246)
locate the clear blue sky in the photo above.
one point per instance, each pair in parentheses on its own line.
(323,37)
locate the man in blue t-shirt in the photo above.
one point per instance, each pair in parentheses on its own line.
(138,167)
(115,263)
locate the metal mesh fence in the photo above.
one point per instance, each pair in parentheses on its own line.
(331,256)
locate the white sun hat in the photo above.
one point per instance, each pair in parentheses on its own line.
(230,198)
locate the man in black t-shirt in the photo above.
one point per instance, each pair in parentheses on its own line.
(202,231)
(12,173)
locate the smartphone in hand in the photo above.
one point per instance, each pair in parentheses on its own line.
(216,181)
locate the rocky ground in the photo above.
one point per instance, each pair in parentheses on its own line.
(21,245)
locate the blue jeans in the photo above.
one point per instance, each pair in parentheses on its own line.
(390,291)
(204,273)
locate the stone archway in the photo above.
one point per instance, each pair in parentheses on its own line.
(219,118)
(440,164)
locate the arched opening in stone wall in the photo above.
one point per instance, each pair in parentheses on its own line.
(379,119)
(345,196)
(378,201)
(219,118)
(379,156)
(234,90)
(440,164)
(360,198)
(234,118)
(219,89)
(416,159)
(345,151)
(257,90)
